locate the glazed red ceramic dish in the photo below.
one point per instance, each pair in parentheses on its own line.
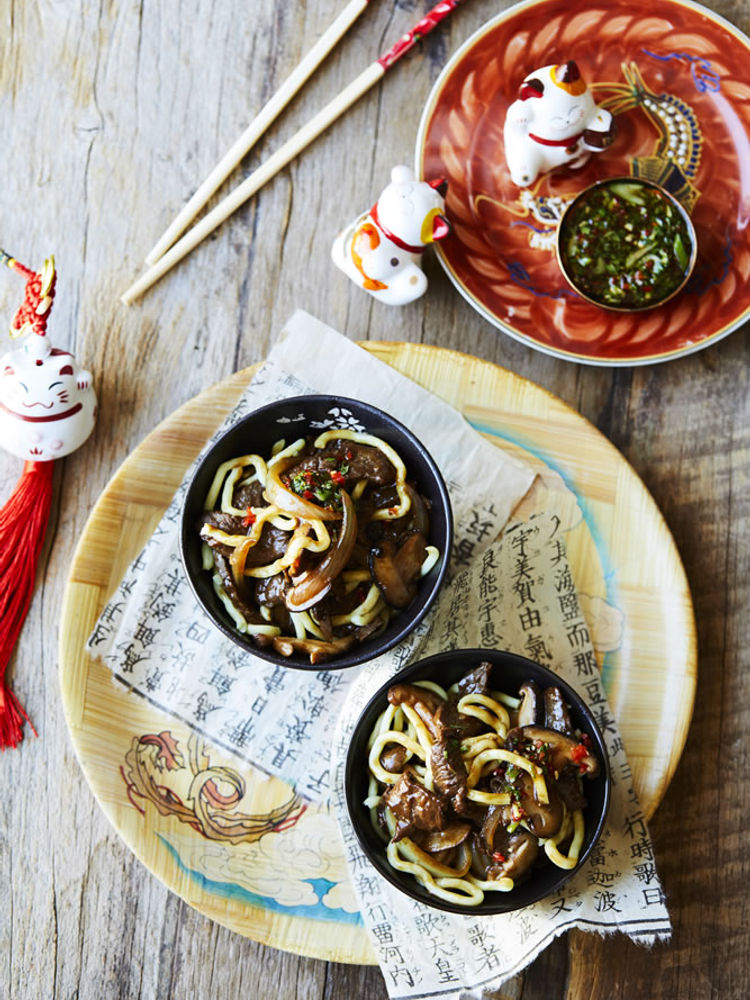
(675,75)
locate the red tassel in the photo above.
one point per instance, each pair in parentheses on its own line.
(23,522)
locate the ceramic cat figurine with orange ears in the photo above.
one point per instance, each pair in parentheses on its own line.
(553,123)
(381,251)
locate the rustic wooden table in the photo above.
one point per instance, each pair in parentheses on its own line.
(111,114)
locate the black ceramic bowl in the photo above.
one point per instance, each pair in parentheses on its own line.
(606,235)
(509,673)
(290,419)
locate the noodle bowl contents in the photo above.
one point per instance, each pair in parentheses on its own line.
(472,789)
(314,549)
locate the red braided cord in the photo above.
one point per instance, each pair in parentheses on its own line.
(26,312)
(23,522)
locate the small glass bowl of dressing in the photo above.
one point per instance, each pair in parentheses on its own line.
(626,244)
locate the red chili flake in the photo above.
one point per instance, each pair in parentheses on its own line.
(308,495)
(349,454)
(578,753)
(249,518)
(337,478)
(393,511)
(499,857)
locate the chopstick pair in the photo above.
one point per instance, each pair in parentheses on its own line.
(167,253)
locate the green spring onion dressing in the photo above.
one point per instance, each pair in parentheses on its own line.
(624,244)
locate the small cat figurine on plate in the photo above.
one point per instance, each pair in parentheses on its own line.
(554,123)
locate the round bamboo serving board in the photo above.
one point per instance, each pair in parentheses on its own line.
(284,883)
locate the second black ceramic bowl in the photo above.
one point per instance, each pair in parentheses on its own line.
(289,419)
(508,674)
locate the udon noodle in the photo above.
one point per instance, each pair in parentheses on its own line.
(315,548)
(471,789)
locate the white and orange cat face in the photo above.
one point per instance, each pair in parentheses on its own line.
(553,123)
(47,404)
(554,100)
(412,210)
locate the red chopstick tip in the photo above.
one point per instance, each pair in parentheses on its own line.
(406,42)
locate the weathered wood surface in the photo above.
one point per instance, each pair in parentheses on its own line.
(111,115)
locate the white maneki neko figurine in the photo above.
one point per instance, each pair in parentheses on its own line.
(553,123)
(47,403)
(381,251)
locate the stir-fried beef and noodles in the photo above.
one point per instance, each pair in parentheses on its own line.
(313,550)
(472,789)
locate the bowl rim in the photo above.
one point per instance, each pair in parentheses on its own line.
(645,182)
(360,654)
(498,902)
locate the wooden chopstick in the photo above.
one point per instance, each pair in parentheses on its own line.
(268,114)
(371,75)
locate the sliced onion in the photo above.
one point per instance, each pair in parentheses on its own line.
(315,584)
(289,501)
(493,818)
(238,559)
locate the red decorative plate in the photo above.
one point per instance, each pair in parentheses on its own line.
(676,77)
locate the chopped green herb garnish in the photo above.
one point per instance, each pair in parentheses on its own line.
(317,486)
(624,245)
